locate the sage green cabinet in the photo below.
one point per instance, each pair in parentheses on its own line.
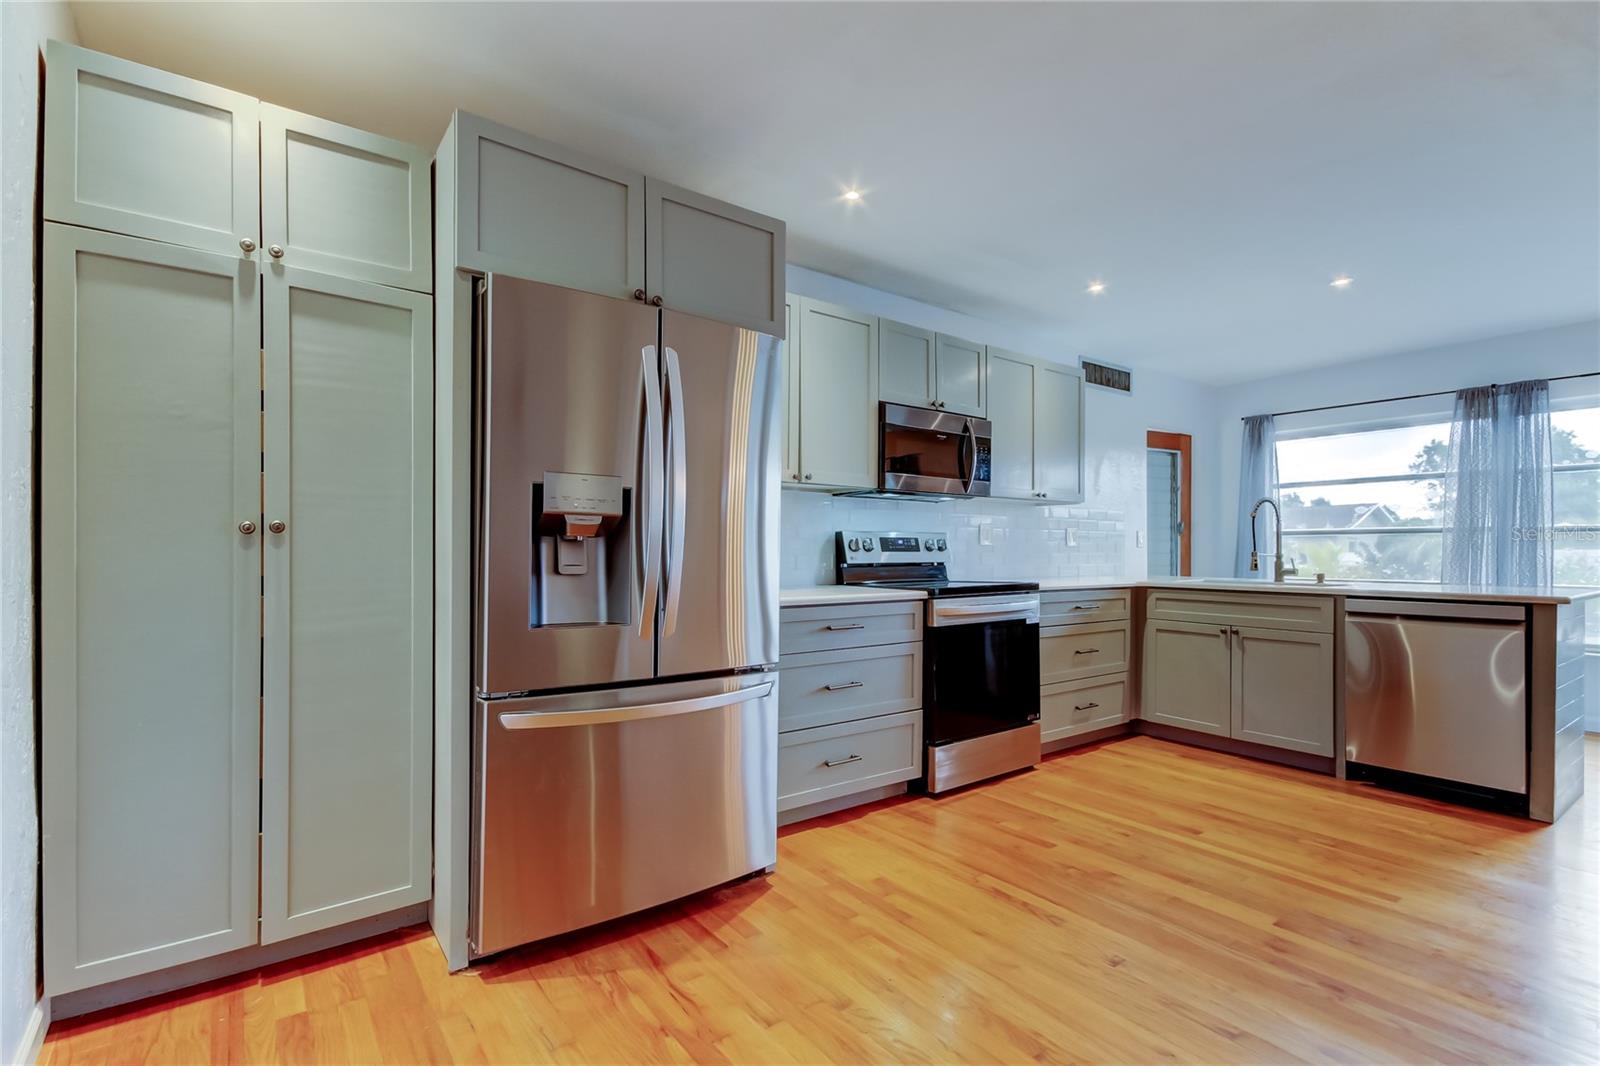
(149,604)
(713,259)
(1012,383)
(838,373)
(343,201)
(529,207)
(532,208)
(926,369)
(906,364)
(347,702)
(1283,689)
(1188,676)
(140,151)
(959,379)
(1058,433)
(1264,686)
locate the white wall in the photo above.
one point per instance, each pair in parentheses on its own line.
(23,27)
(1543,353)
(1029,540)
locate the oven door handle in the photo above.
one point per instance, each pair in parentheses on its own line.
(1004,611)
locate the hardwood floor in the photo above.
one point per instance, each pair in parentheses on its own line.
(1137,901)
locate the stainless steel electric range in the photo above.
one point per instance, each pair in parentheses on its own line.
(980,656)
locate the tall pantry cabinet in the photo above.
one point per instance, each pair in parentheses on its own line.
(236,522)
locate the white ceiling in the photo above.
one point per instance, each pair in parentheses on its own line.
(1215,163)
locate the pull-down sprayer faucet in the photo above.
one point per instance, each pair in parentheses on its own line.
(1278,569)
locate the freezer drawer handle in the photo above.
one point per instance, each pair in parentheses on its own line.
(834,686)
(636,713)
(841,762)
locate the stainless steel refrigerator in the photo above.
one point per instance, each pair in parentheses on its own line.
(626,623)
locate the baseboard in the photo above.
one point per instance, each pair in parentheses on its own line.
(116,993)
(26,1053)
(1321,764)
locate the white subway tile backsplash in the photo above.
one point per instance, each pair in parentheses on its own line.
(1024,540)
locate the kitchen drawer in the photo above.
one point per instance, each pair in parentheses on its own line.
(1067,653)
(1073,707)
(1082,605)
(848,625)
(1262,610)
(823,687)
(837,760)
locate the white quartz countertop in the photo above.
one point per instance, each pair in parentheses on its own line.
(818,595)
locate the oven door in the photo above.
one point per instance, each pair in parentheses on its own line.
(980,667)
(931,451)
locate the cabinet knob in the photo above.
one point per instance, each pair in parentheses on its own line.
(808,477)
(655,301)
(247,527)
(247,245)
(277,525)
(275,250)
(638,294)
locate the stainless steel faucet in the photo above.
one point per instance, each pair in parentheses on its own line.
(1278,569)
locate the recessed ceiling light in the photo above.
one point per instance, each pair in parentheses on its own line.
(1343,281)
(852,196)
(1095,288)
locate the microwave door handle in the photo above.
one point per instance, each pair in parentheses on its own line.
(647,524)
(678,497)
(969,437)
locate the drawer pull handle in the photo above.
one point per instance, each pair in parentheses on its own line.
(839,686)
(1085,606)
(1086,651)
(840,629)
(1084,706)
(841,762)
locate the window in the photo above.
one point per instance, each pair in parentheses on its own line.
(1365,503)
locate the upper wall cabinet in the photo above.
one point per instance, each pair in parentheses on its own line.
(1037,410)
(838,373)
(713,259)
(534,209)
(345,202)
(146,153)
(926,369)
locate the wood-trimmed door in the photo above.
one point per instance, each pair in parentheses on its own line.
(1182,445)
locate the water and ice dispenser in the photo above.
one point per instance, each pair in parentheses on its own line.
(582,555)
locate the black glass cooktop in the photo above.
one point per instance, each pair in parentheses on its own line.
(946,587)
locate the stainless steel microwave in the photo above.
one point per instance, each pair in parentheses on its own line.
(923,452)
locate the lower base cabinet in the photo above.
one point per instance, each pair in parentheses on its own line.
(1072,708)
(1188,681)
(837,760)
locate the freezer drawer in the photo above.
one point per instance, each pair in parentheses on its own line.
(1438,696)
(593,805)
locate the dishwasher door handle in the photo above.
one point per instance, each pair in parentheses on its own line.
(1464,612)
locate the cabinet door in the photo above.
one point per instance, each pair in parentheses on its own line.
(838,396)
(130,149)
(709,258)
(150,599)
(905,364)
(1058,433)
(958,367)
(1187,676)
(791,388)
(1283,689)
(1011,459)
(343,201)
(534,209)
(346,699)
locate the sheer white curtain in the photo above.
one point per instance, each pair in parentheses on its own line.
(1258,477)
(1498,505)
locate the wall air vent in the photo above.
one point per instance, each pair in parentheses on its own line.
(1115,378)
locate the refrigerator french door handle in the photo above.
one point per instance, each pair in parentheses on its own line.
(636,712)
(678,504)
(648,524)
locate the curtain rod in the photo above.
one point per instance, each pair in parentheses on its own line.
(1397,399)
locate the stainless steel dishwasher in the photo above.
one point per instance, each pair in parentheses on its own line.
(1438,692)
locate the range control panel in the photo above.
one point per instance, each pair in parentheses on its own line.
(855,546)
